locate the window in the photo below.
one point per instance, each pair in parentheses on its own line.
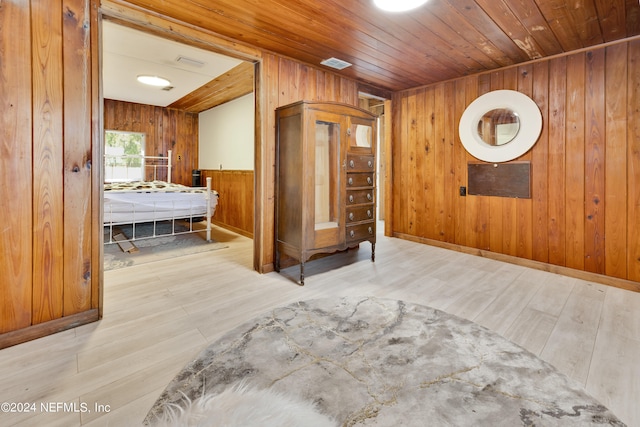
(123,156)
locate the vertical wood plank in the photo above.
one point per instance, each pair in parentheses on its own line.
(539,160)
(484,203)
(524,207)
(321,86)
(475,221)
(459,167)
(428,148)
(48,232)
(77,157)
(557,160)
(97,174)
(439,184)
(496,203)
(615,200)
(451,145)
(158,142)
(574,206)
(399,161)
(509,205)
(633,163)
(412,181)
(419,160)
(264,174)
(595,157)
(16,187)
(386,133)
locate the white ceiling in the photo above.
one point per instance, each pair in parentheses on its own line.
(127,53)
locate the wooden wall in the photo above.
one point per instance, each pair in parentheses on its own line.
(50,280)
(235,202)
(165,129)
(585,209)
(281,82)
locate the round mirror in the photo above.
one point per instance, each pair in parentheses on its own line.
(499,126)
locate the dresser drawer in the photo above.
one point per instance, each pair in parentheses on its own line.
(360,163)
(361,231)
(360,180)
(358,197)
(360,213)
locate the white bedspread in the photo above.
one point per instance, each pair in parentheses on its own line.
(126,203)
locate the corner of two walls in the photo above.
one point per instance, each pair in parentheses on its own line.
(226,154)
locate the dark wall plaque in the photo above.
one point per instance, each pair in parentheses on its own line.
(500,179)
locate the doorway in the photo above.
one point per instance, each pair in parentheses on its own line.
(162,122)
(381,107)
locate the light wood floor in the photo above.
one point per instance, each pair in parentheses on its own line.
(158,316)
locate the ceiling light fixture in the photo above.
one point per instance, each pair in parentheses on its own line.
(398,5)
(153,80)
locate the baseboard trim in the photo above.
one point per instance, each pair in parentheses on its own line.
(240,231)
(538,265)
(40,330)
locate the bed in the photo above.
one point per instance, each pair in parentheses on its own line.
(151,202)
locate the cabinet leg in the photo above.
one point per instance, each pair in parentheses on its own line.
(302,273)
(277,263)
(373,252)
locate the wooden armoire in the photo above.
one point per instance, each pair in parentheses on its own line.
(325,180)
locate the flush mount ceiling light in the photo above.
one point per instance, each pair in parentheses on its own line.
(153,80)
(398,5)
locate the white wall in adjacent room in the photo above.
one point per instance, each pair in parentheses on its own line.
(226,135)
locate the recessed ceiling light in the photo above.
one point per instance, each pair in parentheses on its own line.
(154,80)
(398,5)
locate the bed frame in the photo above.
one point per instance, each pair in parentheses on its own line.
(159,163)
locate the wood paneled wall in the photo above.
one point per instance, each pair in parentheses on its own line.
(49,279)
(585,209)
(281,82)
(165,129)
(235,203)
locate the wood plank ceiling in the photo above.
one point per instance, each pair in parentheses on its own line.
(441,40)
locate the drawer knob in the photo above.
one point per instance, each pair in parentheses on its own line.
(350,216)
(369,196)
(369,213)
(352,164)
(351,198)
(350,180)
(352,233)
(370,230)
(370,163)
(369,180)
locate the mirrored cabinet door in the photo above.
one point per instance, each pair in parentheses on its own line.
(361,136)
(327,169)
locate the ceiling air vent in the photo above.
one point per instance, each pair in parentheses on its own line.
(189,61)
(336,63)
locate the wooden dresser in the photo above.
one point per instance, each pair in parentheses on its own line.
(325,180)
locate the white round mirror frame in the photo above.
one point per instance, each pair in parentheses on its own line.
(530,125)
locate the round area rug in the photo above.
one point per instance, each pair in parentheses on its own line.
(369,361)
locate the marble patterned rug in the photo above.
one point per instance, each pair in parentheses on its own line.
(379,362)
